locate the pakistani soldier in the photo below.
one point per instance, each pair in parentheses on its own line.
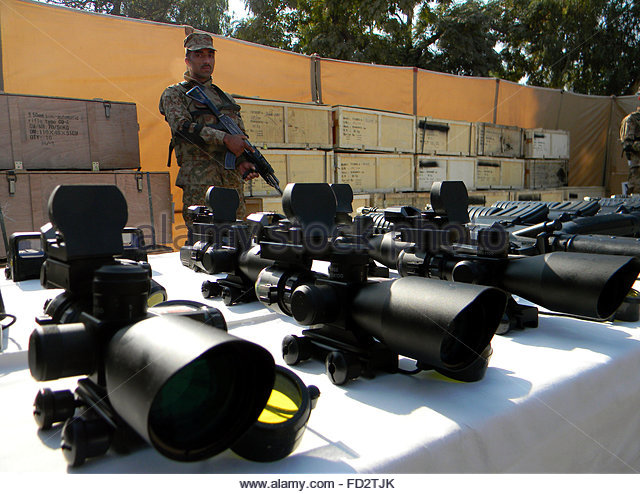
(200,147)
(630,138)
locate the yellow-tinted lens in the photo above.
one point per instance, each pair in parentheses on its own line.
(280,408)
(156,298)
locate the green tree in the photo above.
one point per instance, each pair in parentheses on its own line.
(588,47)
(358,30)
(445,35)
(273,23)
(207,15)
(458,38)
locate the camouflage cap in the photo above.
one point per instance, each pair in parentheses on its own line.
(198,41)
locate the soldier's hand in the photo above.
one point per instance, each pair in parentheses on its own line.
(236,143)
(244,167)
(636,146)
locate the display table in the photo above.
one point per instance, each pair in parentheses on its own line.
(563,397)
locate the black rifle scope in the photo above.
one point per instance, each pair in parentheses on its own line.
(224,245)
(362,325)
(177,380)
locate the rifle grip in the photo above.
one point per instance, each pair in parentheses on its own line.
(249,172)
(229,161)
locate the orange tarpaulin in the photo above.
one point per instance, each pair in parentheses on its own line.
(453,97)
(528,107)
(55,51)
(367,85)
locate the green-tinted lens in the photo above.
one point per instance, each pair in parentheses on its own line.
(190,409)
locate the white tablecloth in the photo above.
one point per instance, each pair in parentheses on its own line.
(563,397)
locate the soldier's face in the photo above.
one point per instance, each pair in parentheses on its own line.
(201,63)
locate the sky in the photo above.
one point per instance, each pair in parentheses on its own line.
(237,9)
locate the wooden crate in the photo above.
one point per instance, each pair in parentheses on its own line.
(487,197)
(429,169)
(291,166)
(544,174)
(48,133)
(512,173)
(24,198)
(499,173)
(498,140)
(444,137)
(545,195)
(463,169)
(399,199)
(487,173)
(375,172)
(579,193)
(551,195)
(377,200)
(373,130)
(267,204)
(421,199)
(280,124)
(546,144)
(492,196)
(360,201)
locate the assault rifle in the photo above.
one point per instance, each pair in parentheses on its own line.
(533,230)
(576,283)
(252,155)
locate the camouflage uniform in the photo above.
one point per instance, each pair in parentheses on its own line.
(630,138)
(198,145)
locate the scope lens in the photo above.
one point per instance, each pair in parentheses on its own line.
(198,404)
(193,397)
(30,248)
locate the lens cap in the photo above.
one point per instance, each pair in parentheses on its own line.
(280,426)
